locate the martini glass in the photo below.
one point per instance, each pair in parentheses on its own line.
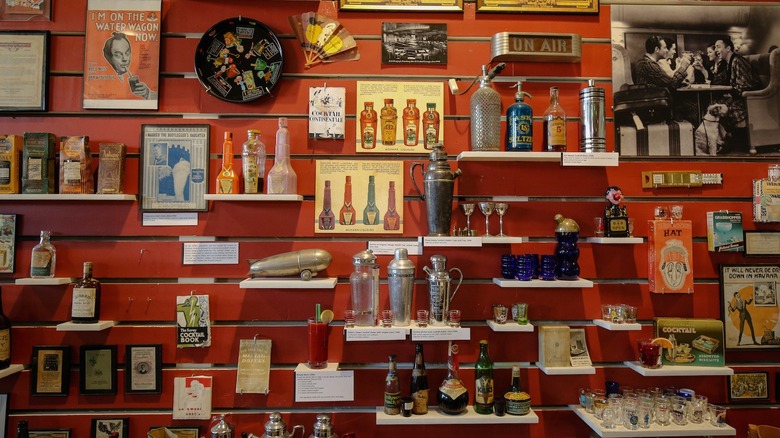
(501,208)
(468,210)
(487,209)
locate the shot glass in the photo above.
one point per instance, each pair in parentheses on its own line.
(618,313)
(499,313)
(717,415)
(662,410)
(520,313)
(422,318)
(599,403)
(349,318)
(630,314)
(407,403)
(318,344)
(598,226)
(676,211)
(661,213)
(499,406)
(586,400)
(698,409)
(387,318)
(679,410)
(631,226)
(454,318)
(611,414)
(606,312)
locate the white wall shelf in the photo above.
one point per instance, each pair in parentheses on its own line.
(509,156)
(288,283)
(434,416)
(679,370)
(566,371)
(251,197)
(615,240)
(503,282)
(617,327)
(71,326)
(13,369)
(68,197)
(655,430)
(510,326)
(54,281)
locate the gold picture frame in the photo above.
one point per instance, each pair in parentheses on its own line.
(402,5)
(540,6)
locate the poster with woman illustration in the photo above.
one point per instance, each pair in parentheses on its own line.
(749,306)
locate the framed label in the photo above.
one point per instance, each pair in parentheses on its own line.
(749,306)
(50,433)
(24,66)
(110,428)
(50,368)
(548,7)
(143,369)
(762,243)
(749,387)
(97,369)
(402,5)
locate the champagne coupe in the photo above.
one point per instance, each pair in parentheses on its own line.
(501,208)
(487,209)
(468,210)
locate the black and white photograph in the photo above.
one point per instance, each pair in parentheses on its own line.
(578,348)
(696,80)
(414,43)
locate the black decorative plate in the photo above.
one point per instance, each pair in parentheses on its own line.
(239,60)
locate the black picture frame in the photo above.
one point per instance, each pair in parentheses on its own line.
(754,288)
(50,367)
(50,433)
(110,428)
(749,386)
(762,243)
(97,370)
(143,368)
(31,89)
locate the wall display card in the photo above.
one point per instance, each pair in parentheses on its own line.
(766,201)
(192,398)
(359,197)
(325,385)
(697,342)
(122,54)
(76,165)
(578,349)
(554,346)
(254,365)
(414,43)
(38,150)
(24,57)
(111,168)
(7,243)
(724,231)
(749,306)
(10,159)
(669,258)
(193,327)
(174,432)
(327,112)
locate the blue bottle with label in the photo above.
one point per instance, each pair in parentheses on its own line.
(520,123)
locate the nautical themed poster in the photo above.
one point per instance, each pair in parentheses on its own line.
(193,327)
(122,54)
(749,306)
(254,365)
(399,117)
(327,112)
(7,243)
(357,196)
(192,398)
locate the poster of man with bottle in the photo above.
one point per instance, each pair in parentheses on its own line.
(399,117)
(357,197)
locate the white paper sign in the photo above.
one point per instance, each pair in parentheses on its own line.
(216,253)
(376,334)
(609,159)
(192,398)
(328,384)
(441,334)
(169,219)
(452,241)
(388,247)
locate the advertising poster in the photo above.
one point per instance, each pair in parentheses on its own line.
(749,306)
(122,54)
(192,398)
(359,197)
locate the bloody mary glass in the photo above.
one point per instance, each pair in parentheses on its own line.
(318,344)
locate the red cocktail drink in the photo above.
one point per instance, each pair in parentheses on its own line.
(318,344)
(649,353)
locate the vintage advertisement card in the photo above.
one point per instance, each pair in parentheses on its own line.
(697,342)
(193,327)
(192,398)
(327,112)
(414,43)
(578,349)
(7,243)
(122,55)
(749,306)
(254,365)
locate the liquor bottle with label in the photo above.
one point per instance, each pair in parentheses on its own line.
(554,139)
(282,179)
(85,306)
(411,118)
(5,337)
(368,126)
(253,162)
(517,401)
(519,123)
(483,375)
(389,118)
(227,180)
(327,220)
(392,389)
(347,213)
(44,258)
(419,388)
(392,220)
(430,126)
(453,397)
(22,430)
(371,212)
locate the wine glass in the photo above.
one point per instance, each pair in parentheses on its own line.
(487,209)
(501,208)
(468,210)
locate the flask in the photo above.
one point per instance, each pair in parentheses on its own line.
(22,430)
(430,126)
(520,122)
(44,258)
(483,375)
(593,137)
(368,126)
(419,388)
(227,180)
(371,212)
(485,115)
(452,397)
(392,389)
(411,117)
(253,162)
(347,212)
(5,337)
(327,220)
(554,139)
(85,306)
(282,178)
(517,401)
(391,221)
(389,118)
(364,283)
(400,283)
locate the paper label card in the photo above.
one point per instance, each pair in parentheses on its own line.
(192,398)
(254,364)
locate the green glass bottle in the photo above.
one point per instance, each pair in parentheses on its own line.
(483,376)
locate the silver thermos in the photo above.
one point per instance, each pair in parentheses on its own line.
(593,129)
(400,280)
(439,189)
(439,288)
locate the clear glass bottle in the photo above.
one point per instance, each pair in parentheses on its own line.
(483,375)
(282,179)
(554,139)
(430,122)
(419,387)
(368,126)
(371,212)
(227,179)
(327,220)
(44,258)
(411,119)
(85,305)
(347,213)
(392,388)
(389,118)
(5,337)
(392,220)
(253,162)
(364,284)
(453,397)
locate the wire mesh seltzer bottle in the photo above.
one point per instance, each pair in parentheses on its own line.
(392,389)
(419,388)
(483,375)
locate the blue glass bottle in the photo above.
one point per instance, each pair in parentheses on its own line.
(566,250)
(519,123)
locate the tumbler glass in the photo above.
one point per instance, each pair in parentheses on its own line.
(318,344)
(520,313)
(679,410)
(717,415)
(499,313)
(454,318)
(422,318)
(662,409)
(649,353)
(698,409)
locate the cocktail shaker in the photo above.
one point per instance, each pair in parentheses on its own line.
(593,125)
(439,288)
(400,280)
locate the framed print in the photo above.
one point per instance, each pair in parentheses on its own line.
(50,367)
(749,386)
(7,243)
(143,369)
(97,372)
(55,433)
(749,306)
(762,243)
(174,432)
(174,167)
(402,5)
(414,43)
(548,7)
(110,428)
(24,63)
(20,10)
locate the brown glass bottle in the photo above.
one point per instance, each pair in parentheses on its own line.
(327,220)
(5,337)
(411,119)
(419,388)
(389,119)
(85,305)
(392,389)
(347,212)
(430,121)
(368,126)
(392,220)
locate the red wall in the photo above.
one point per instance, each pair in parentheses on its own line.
(139,265)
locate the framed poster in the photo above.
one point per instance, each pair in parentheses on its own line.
(548,7)
(7,243)
(97,372)
(50,367)
(50,433)
(402,5)
(762,243)
(174,167)
(110,428)
(143,369)
(122,54)
(414,43)
(749,386)
(24,67)
(749,306)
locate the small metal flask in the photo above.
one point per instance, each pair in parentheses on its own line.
(323,428)
(222,429)
(593,125)
(400,280)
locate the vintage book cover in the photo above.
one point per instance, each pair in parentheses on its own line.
(7,243)
(38,167)
(254,365)
(193,326)
(122,54)
(192,398)
(724,231)
(327,112)
(697,342)
(10,159)
(766,201)
(554,346)
(111,168)
(669,258)
(578,349)
(76,165)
